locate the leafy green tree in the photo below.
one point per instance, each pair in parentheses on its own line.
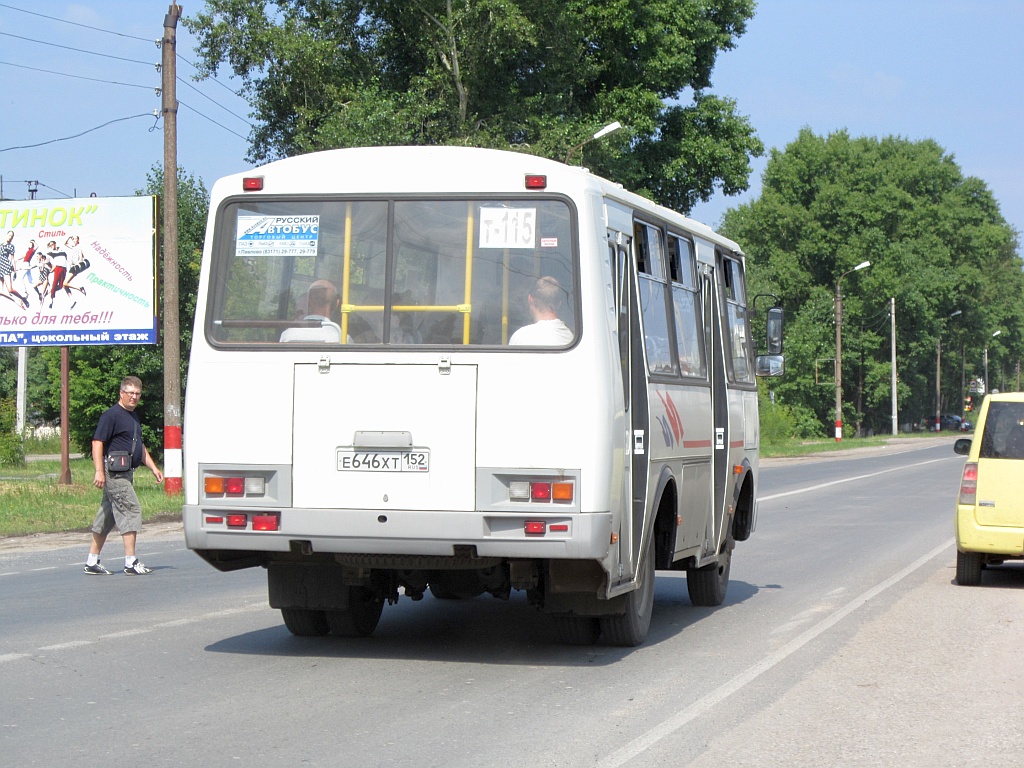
(532,75)
(936,242)
(96,371)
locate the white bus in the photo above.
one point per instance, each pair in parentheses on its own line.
(363,420)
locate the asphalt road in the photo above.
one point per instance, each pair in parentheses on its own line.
(843,641)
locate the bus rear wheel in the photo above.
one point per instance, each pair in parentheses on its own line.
(630,629)
(360,618)
(707,586)
(577,630)
(304,622)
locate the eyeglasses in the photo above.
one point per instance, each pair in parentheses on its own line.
(131,394)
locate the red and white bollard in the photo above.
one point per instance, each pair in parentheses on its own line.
(172,460)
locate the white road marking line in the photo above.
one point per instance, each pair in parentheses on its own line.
(125,633)
(849,479)
(47,568)
(256,606)
(65,646)
(667,727)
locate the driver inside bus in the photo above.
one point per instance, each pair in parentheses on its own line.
(321,302)
(547,330)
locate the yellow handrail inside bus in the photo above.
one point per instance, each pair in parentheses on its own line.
(346,272)
(466,308)
(466,318)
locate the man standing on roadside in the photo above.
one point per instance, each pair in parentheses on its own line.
(117,450)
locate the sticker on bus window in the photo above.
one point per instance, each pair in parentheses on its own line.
(277,235)
(508,227)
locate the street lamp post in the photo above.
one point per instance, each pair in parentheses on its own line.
(839,348)
(987,387)
(610,128)
(938,375)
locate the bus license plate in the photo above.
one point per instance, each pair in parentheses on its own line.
(384,461)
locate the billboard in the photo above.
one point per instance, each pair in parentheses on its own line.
(78,271)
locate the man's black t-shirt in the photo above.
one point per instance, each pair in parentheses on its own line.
(116,430)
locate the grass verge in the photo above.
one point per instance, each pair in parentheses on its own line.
(32,501)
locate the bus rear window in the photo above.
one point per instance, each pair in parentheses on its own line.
(390,272)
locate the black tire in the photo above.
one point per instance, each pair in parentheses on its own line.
(630,629)
(707,586)
(968,568)
(361,616)
(303,622)
(577,630)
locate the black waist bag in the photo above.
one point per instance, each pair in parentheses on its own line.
(119,461)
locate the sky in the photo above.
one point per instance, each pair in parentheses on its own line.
(947,70)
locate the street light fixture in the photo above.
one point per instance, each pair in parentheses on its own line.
(839,348)
(987,387)
(610,128)
(938,374)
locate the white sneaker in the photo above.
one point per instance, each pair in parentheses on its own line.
(137,568)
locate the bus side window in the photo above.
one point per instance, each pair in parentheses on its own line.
(740,357)
(686,308)
(653,290)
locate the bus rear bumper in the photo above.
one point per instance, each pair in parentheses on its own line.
(403,532)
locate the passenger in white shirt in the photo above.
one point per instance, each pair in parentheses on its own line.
(321,301)
(547,329)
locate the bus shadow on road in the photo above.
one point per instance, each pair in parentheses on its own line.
(482,630)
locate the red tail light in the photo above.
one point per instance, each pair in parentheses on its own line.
(265,522)
(540,491)
(969,484)
(535,527)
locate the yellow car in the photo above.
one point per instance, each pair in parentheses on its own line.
(990,508)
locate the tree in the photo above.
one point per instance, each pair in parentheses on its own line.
(936,242)
(96,371)
(531,75)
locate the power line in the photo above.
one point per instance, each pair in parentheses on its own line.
(193,109)
(37,182)
(77,77)
(111,32)
(90,130)
(189,85)
(79,50)
(76,24)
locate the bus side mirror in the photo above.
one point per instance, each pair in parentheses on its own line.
(774,326)
(774,363)
(770,365)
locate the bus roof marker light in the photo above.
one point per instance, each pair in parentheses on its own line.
(536,181)
(252,184)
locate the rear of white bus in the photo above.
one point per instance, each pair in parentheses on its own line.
(397,442)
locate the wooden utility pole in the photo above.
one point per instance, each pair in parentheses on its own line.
(172,336)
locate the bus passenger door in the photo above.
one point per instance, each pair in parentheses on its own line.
(714,343)
(635,405)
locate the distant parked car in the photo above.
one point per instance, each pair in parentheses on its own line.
(990,508)
(950,422)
